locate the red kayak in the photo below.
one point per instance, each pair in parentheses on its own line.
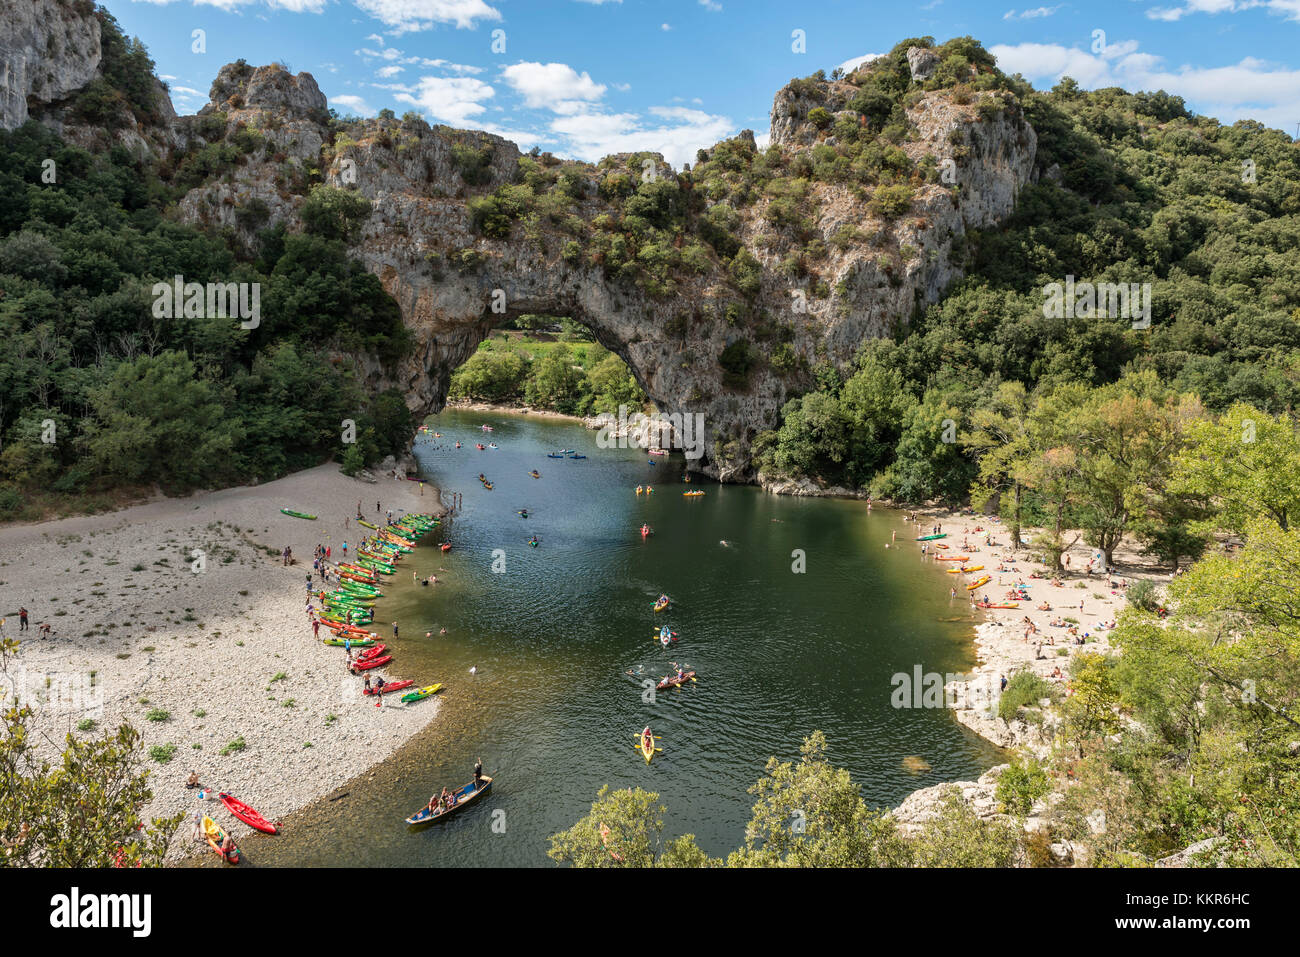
(369,663)
(390,686)
(246,813)
(371,653)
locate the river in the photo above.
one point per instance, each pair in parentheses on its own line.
(553,631)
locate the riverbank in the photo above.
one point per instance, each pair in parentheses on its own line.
(180,616)
(1069,612)
(467,406)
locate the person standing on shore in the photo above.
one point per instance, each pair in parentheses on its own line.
(315,628)
(22,619)
(394,629)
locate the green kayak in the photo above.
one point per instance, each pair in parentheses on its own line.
(289,511)
(930,538)
(419,694)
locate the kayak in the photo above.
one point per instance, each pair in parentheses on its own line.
(692,494)
(246,813)
(361,521)
(389,686)
(982,580)
(965,568)
(554,455)
(980,604)
(952,558)
(366,665)
(535,474)
(930,538)
(216,836)
(445,546)
(419,694)
(372,653)
(675,682)
(462,797)
(661,604)
(289,511)
(646,744)
(350,642)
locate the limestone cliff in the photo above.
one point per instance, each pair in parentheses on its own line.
(49,49)
(829,262)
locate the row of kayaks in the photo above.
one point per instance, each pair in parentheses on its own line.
(351,604)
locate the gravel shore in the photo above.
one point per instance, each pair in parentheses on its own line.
(179,616)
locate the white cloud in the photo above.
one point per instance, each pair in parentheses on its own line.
(408,15)
(1288,9)
(675,131)
(388,71)
(353,104)
(186,91)
(440,64)
(1033,14)
(1250,89)
(452,100)
(848,66)
(711,5)
(665,27)
(555,86)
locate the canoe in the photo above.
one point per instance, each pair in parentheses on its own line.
(419,694)
(982,580)
(371,663)
(351,642)
(371,653)
(577,456)
(952,558)
(692,494)
(930,538)
(246,813)
(535,474)
(674,681)
(289,511)
(445,546)
(1008,604)
(389,686)
(464,796)
(215,836)
(661,604)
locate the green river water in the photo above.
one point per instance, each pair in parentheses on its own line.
(552,710)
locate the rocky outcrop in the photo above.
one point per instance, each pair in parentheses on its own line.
(49,49)
(922,62)
(861,268)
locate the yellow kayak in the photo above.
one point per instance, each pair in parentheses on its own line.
(983,580)
(972,568)
(216,836)
(646,745)
(692,494)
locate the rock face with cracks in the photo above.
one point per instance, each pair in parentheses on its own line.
(454,284)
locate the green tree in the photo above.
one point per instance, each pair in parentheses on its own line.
(83,811)
(156,420)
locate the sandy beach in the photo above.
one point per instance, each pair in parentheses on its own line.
(1041,634)
(180,616)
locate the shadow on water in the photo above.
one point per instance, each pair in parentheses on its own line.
(554,631)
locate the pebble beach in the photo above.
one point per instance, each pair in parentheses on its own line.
(180,616)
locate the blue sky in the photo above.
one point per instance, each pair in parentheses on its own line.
(584,78)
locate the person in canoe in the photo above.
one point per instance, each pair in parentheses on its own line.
(647,739)
(438,800)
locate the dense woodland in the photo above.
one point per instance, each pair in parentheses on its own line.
(183,402)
